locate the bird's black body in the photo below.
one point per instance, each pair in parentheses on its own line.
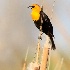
(47,27)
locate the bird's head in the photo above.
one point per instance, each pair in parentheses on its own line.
(35,7)
(35,11)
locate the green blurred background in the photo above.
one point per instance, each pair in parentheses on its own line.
(17,32)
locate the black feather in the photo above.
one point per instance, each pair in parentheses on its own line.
(47,27)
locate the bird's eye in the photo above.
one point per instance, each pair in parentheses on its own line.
(33,6)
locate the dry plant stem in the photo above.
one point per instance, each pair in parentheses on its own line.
(38,46)
(56,67)
(52,9)
(26,54)
(45,54)
(59,65)
(24,65)
(49,59)
(38,51)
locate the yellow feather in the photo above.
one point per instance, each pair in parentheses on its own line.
(35,12)
(35,15)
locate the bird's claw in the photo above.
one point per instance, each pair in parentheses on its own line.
(39,37)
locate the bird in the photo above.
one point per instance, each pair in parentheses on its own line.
(37,14)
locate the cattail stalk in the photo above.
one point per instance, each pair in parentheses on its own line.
(59,65)
(46,48)
(38,52)
(24,65)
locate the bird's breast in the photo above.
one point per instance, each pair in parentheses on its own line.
(35,15)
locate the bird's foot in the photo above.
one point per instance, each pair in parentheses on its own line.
(41,33)
(39,37)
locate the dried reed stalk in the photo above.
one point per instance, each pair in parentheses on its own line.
(24,65)
(38,52)
(59,65)
(46,48)
(37,67)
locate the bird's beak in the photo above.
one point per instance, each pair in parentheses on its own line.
(30,7)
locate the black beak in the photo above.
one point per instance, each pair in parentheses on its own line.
(29,7)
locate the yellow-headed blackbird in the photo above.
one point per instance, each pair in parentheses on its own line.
(47,28)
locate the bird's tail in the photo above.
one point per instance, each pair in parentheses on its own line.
(52,41)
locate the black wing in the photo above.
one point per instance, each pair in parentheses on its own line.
(46,26)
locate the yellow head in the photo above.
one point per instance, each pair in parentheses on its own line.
(35,14)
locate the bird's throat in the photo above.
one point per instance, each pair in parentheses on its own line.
(35,15)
